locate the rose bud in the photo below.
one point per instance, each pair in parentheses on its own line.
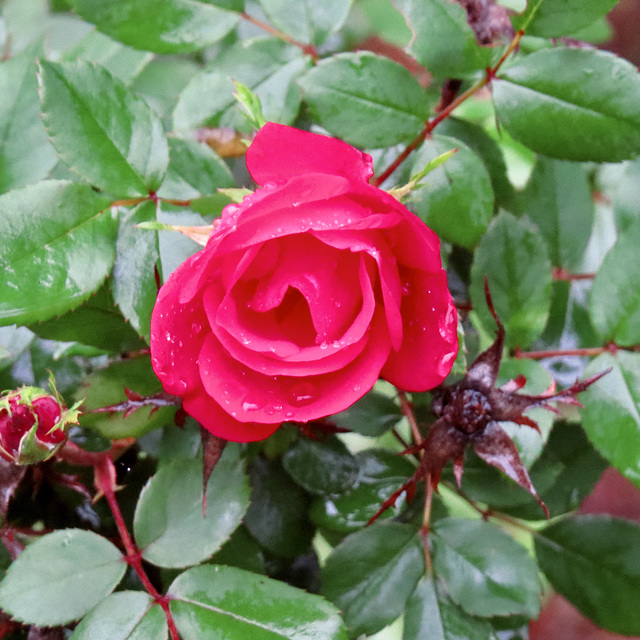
(32,425)
(305,294)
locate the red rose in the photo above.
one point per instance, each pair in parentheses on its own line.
(306,293)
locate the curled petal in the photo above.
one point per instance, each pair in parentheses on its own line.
(278,153)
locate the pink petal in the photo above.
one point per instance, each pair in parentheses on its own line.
(211,416)
(177,334)
(250,396)
(259,354)
(279,152)
(373,244)
(430,341)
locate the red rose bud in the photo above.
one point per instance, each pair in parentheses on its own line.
(32,425)
(307,292)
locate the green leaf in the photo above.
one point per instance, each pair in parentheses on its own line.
(372,415)
(277,517)
(25,153)
(442,39)
(121,61)
(594,562)
(169,525)
(104,132)
(558,200)
(456,200)
(174,26)
(250,104)
(307,20)
(57,248)
(485,570)
(384,563)
(514,257)
(97,323)
(194,170)
(105,387)
(552,97)
(368,100)
(622,186)
(242,551)
(126,615)
(615,296)
(60,577)
(324,467)
(134,282)
(611,414)
(210,602)
(555,18)
(487,149)
(381,472)
(430,614)
(266,66)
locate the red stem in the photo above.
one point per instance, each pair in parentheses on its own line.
(430,125)
(105,480)
(589,352)
(558,273)
(309,49)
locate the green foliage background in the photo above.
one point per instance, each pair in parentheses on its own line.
(105,111)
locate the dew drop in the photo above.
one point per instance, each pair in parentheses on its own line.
(288,415)
(181,385)
(324,345)
(303,393)
(251,406)
(196,328)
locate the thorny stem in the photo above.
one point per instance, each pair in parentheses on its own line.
(430,125)
(557,273)
(407,411)
(309,49)
(589,352)
(134,201)
(105,480)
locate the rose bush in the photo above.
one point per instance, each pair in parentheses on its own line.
(306,293)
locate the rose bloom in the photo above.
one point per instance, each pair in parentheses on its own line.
(306,293)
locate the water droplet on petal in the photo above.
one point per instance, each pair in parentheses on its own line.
(196,328)
(303,393)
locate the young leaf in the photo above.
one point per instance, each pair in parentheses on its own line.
(25,153)
(615,297)
(307,20)
(126,615)
(210,602)
(558,200)
(555,18)
(321,466)
(442,39)
(169,525)
(58,247)
(385,563)
(381,103)
(485,570)
(251,104)
(174,26)
(611,417)
(594,562)
(134,284)
(104,132)
(60,577)
(430,614)
(552,97)
(455,200)
(513,256)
